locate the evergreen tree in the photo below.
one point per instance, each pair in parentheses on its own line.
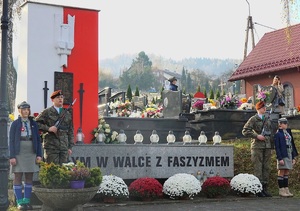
(218,94)
(205,94)
(223,93)
(188,83)
(129,93)
(153,101)
(198,88)
(137,93)
(183,78)
(211,94)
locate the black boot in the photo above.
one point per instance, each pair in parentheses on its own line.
(265,192)
(260,194)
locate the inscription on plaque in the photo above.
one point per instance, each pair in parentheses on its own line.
(64,82)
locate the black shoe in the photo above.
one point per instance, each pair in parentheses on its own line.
(266,193)
(22,207)
(260,194)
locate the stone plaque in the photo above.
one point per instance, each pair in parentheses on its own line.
(172,102)
(131,161)
(64,82)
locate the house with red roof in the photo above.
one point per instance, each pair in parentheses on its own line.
(274,54)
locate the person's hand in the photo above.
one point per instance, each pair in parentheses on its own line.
(53,129)
(70,151)
(13,161)
(293,161)
(281,162)
(261,137)
(38,159)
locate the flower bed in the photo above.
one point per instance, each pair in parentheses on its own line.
(181,185)
(145,188)
(246,183)
(215,187)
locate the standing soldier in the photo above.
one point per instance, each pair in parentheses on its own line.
(259,128)
(57,142)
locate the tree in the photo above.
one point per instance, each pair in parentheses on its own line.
(211,94)
(218,94)
(137,93)
(129,93)
(205,94)
(183,78)
(198,88)
(139,73)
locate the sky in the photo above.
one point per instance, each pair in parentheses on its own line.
(180,29)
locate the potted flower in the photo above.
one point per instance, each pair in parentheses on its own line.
(145,189)
(112,188)
(181,186)
(216,187)
(245,184)
(78,174)
(55,180)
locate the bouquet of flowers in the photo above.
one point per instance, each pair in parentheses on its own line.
(145,188)
(113,186)
(263,95)
(230,101)
(181,185)
(109,136)
(198,105)
(216,186)
(246,183)
(152,111)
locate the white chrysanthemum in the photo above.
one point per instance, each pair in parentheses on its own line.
(112,185)
(180,184)
(246,183)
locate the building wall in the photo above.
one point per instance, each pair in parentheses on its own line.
(291,76)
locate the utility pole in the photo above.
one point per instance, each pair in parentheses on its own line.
(4,111)
(249,28)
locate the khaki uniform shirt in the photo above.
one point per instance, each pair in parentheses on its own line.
(64,138)
(254,127)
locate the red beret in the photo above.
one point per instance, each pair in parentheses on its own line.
(259,105)
(55,94)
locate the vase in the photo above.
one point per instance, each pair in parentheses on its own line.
(109,199)
(64,199)
(77,184)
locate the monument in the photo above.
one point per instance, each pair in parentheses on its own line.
(58,47)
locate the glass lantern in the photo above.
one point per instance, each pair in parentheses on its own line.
(122,137)
(217,138)
(187,139)
(138,137)
(79,136)
(202,138)
(154,138)
(171,138)
(100,138)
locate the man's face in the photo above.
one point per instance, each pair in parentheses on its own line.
(58,101)
(262,110)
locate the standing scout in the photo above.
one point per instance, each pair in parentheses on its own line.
(25,152)
(286,153)
(259,128)
(57,142)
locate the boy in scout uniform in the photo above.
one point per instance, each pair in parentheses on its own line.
(57,142)
(259,128)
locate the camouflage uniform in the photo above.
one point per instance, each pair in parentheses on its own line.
(260,150)
(56,146)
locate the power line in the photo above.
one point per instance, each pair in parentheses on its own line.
(264,26)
